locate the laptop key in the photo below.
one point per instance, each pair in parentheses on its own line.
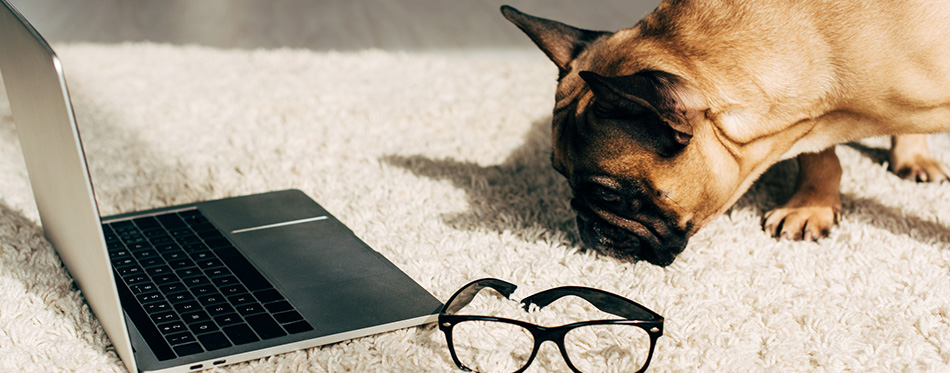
(214,341)
(146,298)
(188,307)
(220,309)
(211,300)
(174,287)
(225,281)
(119,254)
(157,307)
(189,272)
(196,281)
(195,317)
(209,263)
(188,349)
(164,279)
(200,224)
(162,240)
(147,253)
(154,233)
(217,242)
(181,263)
(189,214)
(137,245)
(146,223)
(211,236)
(265,326)
(199,255)
(278,307)
(298,327)
(142,288)
(181,232)
(241,299)
(171,221)
(228,319)
(168,248)
(240,334)
(122,226)
(233,290)
(123,262)
(130,270)
(176,254)
(171,327)
(115,246)
(250,309)
(203,327)
(192,244)
(159,270)
(267,296)
(200,291)
(217,272)
(176,298)
(288,317)
(135,279)
(180,338)
(151,262)
(162,317)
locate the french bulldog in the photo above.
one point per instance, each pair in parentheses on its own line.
(661,127)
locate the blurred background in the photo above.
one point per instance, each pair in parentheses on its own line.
(342,25)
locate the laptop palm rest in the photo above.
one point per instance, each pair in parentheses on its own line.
(317,262)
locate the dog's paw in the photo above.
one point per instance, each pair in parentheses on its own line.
(807,223)
(921,169)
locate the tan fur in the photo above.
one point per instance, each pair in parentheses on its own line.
(765,80)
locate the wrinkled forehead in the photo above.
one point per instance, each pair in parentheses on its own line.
(570,130)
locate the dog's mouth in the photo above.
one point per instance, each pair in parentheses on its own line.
(643,234)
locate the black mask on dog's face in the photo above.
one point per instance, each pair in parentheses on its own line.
(609,148)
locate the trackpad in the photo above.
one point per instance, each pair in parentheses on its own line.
(307,254)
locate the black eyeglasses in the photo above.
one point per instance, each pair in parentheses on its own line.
(492,344)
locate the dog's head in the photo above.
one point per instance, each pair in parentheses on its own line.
(632,140)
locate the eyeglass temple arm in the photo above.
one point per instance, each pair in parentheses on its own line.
(464,296)
(604,301)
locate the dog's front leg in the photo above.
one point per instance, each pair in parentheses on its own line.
(910,159)
(815,205)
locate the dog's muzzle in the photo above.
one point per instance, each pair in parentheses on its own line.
(626,227)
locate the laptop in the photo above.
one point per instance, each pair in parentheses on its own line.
(200,285)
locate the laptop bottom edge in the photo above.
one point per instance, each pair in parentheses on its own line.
(300,345)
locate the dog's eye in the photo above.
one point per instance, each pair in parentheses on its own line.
(606,111)
(604,195)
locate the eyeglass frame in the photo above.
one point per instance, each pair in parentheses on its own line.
(632,312)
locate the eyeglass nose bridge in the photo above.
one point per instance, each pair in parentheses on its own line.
(555,335)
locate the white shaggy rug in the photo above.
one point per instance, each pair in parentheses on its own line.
(440,162)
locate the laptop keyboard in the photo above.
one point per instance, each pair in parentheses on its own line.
(188,290)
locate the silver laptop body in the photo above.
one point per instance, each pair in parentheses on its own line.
(317,282)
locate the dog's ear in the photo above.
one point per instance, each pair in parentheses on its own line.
(560,42)
(661,104)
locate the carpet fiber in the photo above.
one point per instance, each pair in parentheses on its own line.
(441,163)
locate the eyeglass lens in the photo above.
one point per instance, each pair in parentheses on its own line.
(492,347)
(607,348)
(500,347)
